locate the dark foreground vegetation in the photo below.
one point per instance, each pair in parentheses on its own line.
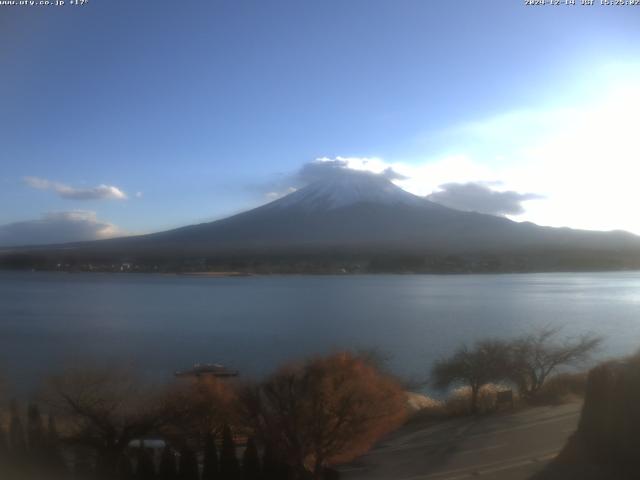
(606,443)
(299,423)
(106,425)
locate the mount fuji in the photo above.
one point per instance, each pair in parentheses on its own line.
(366,215)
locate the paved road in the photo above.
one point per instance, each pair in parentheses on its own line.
(508,446)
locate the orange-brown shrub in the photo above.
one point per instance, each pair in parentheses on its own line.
(326,411)
(197,407)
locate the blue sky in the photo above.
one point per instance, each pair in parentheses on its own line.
(142,115)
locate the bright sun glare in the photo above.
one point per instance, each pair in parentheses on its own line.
(582,159)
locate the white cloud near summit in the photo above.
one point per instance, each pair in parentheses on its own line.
(326,168)
(100,192)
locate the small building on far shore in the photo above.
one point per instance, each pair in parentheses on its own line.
(207,370)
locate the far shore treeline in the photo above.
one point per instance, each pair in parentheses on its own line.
(326,262)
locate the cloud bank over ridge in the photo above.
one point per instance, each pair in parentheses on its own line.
(479,197)
(58,227)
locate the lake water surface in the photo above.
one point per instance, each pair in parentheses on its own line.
(164,323)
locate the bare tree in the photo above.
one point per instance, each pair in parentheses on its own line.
(200,408)
(473,367)
(326,410)
(537,355)
(104,409)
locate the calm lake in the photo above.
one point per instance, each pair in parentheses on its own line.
(163,323)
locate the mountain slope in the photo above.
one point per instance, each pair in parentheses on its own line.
(356,213)
(359,210)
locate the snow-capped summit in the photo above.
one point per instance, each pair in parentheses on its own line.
(349,188)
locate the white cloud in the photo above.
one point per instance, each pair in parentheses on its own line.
(326,168)
(480,197)
(100,192)
(58,227)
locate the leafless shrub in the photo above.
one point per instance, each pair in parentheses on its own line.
(534,357)
(459,402)
(562,388)
(103,409)
(473,367)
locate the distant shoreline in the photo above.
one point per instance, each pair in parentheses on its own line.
(213,274)
(231,274)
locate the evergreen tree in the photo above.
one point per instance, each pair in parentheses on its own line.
(188,465)
(250,462)
(229,467)
(168,470)
(269,463)
(4,447)
(210,468)
(83,466)
(145,469)
(125,469)
(105,468)
(53,456)
(274,466)
(331,474)
(17,443)
(53,439)
(284,470)
(35,435)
